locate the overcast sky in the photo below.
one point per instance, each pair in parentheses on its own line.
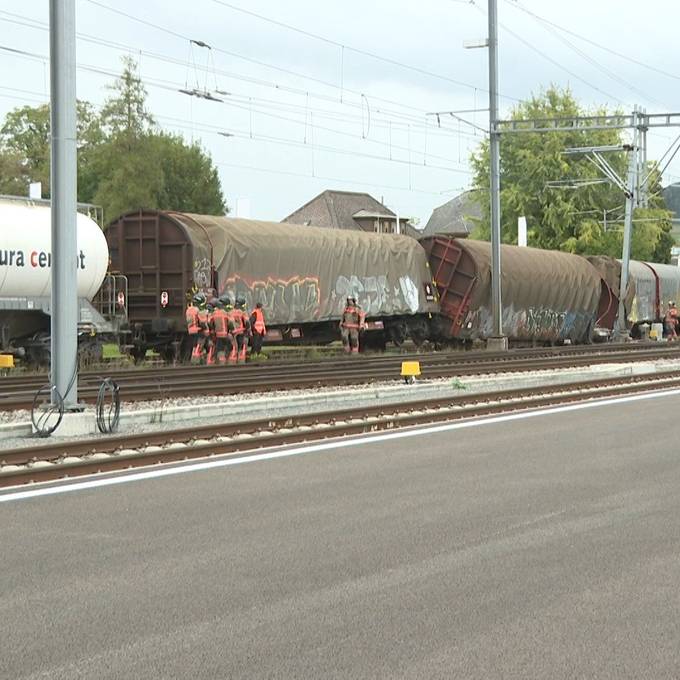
(308,114)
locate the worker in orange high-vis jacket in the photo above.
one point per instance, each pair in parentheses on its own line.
(222,326)
(204,336)
(670,321)
(194,329)
(258,327)
(349,327)
(361,314)
(234,323)
(211,345)
(241,328)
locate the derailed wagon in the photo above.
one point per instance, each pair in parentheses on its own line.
(548,296)
(651,287)
(302,276)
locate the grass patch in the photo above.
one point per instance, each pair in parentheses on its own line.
(111,351)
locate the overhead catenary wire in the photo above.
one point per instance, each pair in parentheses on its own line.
(310,124)
(592,61)
(395,117)
(246,134)
(289,173)
(258,62)
(672,150)
(343,46)
(274,171)
(28,100)
(545,56)
(594,43)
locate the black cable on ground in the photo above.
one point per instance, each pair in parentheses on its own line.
(52,412)
(108,406)
(46,416)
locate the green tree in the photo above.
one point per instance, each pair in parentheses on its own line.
(190,180)
(25,135)
(140,167)
(128,176)
(124,114)
(124,161)
(539,181)
(13,179)
(90,137)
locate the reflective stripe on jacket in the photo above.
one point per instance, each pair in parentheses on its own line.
(238,318)
(350,318)
(258,321)
(204,321)
(193,322)
(221,323)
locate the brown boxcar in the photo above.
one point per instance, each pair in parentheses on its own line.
(548,296)
(302,275)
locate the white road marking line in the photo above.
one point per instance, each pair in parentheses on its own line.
(69,485)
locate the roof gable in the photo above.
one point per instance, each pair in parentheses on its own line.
(338,209)
(455,216)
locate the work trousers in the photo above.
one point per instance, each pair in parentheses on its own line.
(199,346)
(223,347)
(257,342)
(240,346)
(350,339)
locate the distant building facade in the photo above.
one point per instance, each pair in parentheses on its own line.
(455,217)
(350,210)
(671,195)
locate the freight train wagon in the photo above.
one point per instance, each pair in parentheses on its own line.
(25,282)
(301,275)
(547,296)
(651,287)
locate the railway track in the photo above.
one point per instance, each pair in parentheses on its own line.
(17,392)
(112,454)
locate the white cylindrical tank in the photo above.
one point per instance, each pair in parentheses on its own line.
(25,252)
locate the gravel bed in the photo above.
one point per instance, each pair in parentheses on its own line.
(476,381)
(24,415)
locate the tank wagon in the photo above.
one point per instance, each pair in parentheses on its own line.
(25,281)
(547,296)
(301,275)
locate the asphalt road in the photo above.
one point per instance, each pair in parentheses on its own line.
(540,548)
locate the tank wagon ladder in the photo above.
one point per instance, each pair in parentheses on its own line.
(112,298)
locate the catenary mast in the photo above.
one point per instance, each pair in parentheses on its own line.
(64,304)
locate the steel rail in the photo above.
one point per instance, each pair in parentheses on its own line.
(72,459)
(468,356)
(206,380)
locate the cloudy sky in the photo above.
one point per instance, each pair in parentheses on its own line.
(329,94)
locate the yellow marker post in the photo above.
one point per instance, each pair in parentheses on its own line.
(409,371)
(6,361)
